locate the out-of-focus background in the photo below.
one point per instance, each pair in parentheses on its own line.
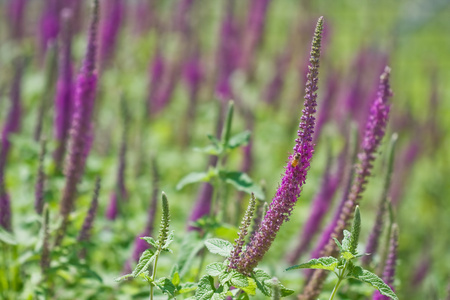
(172,66)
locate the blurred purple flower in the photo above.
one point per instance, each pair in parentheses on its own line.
(80,133)
(88,223)
(389,269)
(39,187)
(64,89)
(326,105)
(295,171)
(49,23)
(375,128)
(16,15)
(110,23)
(253,32)
(227,54)
(5,208)
(275,86)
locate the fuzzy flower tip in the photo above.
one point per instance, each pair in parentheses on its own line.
(89,220)
(295,171)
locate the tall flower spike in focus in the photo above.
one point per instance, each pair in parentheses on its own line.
(165,221)
(80,132)
(375,128)
(295,173)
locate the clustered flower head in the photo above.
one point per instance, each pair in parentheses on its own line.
(295,172)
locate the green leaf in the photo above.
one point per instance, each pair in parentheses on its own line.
(166,286)
(346,242)
(145,261)
(324,263)
(193,178)
(284,292)
(251,288)
(176,279)
(372,279)
(215,269)
(7,237)
(150,241)
(218,246)
(210,149)
(243,296)
(169,241)
(187,287)
(239,139)
(260,278)
(347,255)
(238,280)
(338,244)
(205,289)
(242,182)
(123,277)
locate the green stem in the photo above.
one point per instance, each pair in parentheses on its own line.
(336,287)
(341,277)
(154,272)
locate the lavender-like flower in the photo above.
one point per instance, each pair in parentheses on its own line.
(227,54)
(181,18)
(276,84)
(110,24)
(16,13)
(375,128)
(156,73)
(295,171)
(389,269)
(14,118)
(81,124)
(5,208)
(49,24)
(45,255)
(372,242)
(39,188)
(64,89)
(88,223)
(320,206)
(253,32)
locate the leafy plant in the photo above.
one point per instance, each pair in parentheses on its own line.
(344,266)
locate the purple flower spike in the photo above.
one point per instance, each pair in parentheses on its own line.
(16,12)
(295,171)
(375,128)
(227,54)
(64,89)
(320,206)
(13,120)
(39,188)
(49,26)
(389,270)
(109,29)
(88,223)
(5,209)
(80,133)
(275,86)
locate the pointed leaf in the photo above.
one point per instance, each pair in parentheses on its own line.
(187,287)
(338,244)
(218,246)
(260,278)
(215,269)
(145,261)
(166,286)
(169,241)
(346,242)
(242,182)
(239,139)
(375,281)
(205,289)
(210,149)
(192,178)
(284,292)
(324,263)
(123,277)
(251,288)
(150,241)
(176,279)
(238,280)
(347,255)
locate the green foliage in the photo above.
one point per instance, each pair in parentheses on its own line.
(218,246)
(344,266)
